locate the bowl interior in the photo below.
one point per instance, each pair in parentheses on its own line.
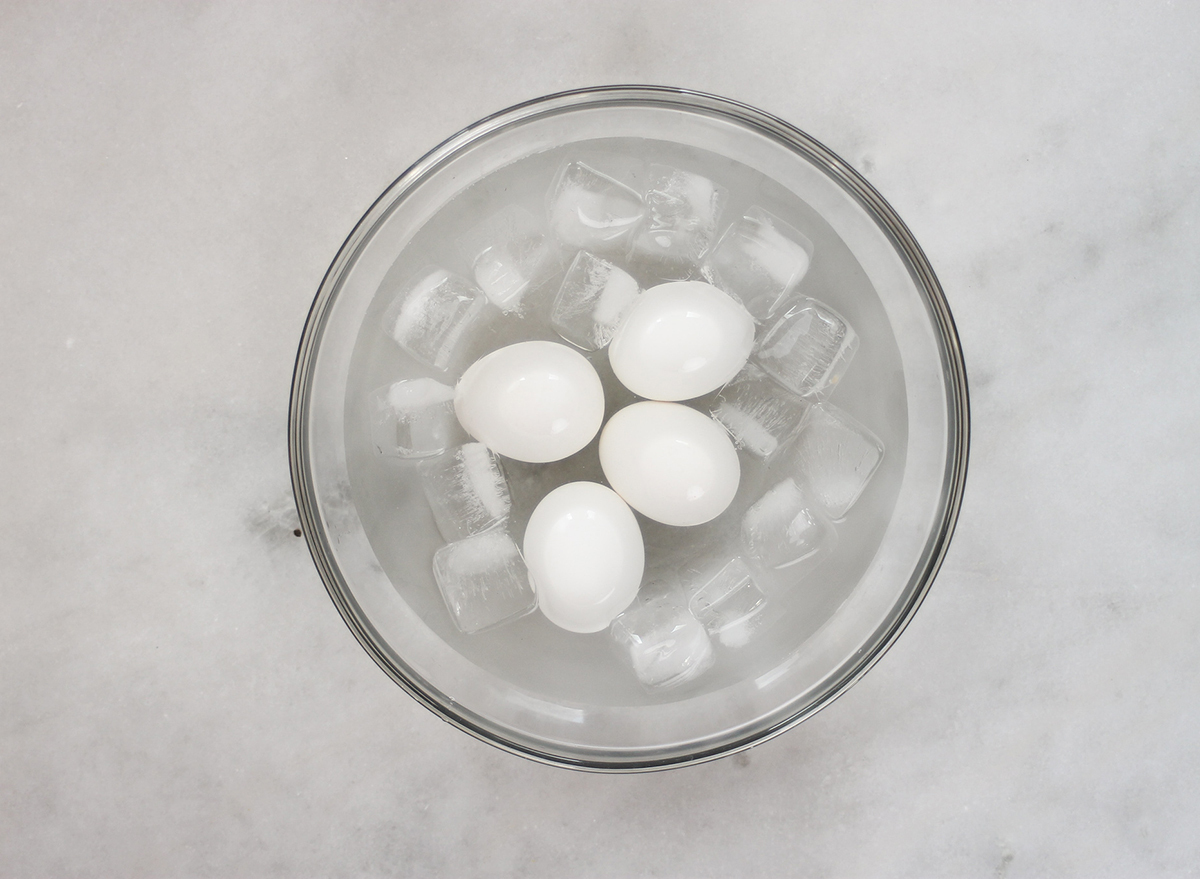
(570,698)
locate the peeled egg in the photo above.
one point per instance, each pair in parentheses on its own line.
(533,401)
(585,556)
(681,340)
(670,462)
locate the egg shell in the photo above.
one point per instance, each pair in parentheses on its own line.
(681,340)
(532,401)
(670,462)
(585,555)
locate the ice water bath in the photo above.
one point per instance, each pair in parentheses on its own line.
(786,553)
(629,428)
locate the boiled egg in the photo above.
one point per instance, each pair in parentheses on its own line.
(533,401)
(670,462)
(585,556)
(681,340)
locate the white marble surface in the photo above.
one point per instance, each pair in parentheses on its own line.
(178,696)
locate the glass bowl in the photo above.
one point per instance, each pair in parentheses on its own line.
(569,699)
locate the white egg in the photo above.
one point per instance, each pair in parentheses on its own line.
(681,340)
(670,462)
(585,556)
(533,401)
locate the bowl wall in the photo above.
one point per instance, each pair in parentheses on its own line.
(563,698)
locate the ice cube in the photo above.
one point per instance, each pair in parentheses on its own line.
(681,220)
(759,414)
(786,527)
(483,580)
(836,456)
(414,419)
(466,490)
(665,644)
(760,259)
(510,256)
(434,316)
(807,349)
(728,602)
(590,210)
(593,298)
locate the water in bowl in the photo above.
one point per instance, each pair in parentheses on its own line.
(531,653)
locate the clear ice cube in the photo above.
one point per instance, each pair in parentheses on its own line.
(590,210)
(510,256)
(681,220)
(466,490)
(414,419)
(434,317)
(593,298)
(665,644)
(786,527)
(759,414)
(483,580)
(760,259)
(807,349)
(836,456)
(728,602)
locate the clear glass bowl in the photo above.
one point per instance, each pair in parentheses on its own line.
(567,699)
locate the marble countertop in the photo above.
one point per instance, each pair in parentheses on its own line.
(179,697)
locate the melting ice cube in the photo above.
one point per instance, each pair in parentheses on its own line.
(591,210)
(807,349)
(786,527)
(483,580)
(681,220)
(665,644)
(759,414)
(434,317)
(466,490)
(510,256)
(836,456)
(728,602)
(414,418)
(760,259)
(593,298)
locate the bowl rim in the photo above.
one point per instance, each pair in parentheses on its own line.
(955,377)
